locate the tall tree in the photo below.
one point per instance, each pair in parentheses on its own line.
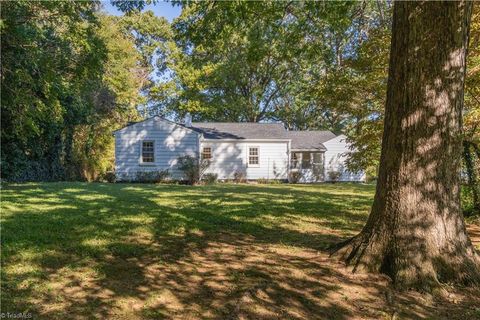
(415,232)
(257,61)
(69,77)
(50,54)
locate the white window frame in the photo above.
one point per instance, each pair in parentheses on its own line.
(257,155)
(307,159)
(296,161)
(203,153)
(153,153)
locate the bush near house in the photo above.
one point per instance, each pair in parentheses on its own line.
(210,178)
(239,177)
(334,175)
(156,176)
(294,176)
(193,168)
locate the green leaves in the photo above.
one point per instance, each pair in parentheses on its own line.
(257,61)
(71,77)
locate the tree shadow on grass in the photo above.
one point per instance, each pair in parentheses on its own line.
(141,251)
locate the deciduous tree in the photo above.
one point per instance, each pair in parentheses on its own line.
(415,232)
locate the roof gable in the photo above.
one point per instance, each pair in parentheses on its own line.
(154,118)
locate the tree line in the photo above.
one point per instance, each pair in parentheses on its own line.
(71,75)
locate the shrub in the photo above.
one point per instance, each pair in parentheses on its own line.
(192,168)
(109,176)
(262,181)
(295,177)
(334,175)
(468,203)
(210,178)
(371,174)
(239,177)
(151,176)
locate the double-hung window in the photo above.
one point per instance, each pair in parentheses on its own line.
(295,160)
(207,153)
(306,160)
(253,156)
(148,151)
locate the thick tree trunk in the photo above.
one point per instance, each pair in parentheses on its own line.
(415,232)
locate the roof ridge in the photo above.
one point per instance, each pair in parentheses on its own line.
(239,122)
(310,131)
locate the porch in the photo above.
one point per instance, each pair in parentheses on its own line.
(310,164)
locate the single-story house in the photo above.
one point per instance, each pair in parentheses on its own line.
(254,150)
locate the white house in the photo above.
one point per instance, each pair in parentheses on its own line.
(254,150)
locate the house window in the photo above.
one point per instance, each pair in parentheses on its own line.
(148,151)
(317,158)
(207,153)
(253,156)
(306,160)
(295,161)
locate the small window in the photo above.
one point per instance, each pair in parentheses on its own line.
(148,151)
(295,161)
(253,156)
(207,153)
(306,160)
(317,158)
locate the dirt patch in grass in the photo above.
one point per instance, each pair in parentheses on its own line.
(142,252)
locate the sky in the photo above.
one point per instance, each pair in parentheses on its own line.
(161,9)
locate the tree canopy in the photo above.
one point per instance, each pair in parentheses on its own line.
(71,75)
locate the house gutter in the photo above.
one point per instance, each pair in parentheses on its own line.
(247,140)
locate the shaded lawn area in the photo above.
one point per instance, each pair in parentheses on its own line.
(128,251)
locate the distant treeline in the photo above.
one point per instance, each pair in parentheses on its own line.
(71,75)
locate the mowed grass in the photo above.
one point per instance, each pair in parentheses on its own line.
(127,251)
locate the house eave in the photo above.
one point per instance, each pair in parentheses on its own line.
(308,149)
(161,119)
(245,140)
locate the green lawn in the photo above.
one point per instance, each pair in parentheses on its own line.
(77,250)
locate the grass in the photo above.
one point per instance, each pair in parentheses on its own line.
(127,251)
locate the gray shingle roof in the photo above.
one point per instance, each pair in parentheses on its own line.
(306,140)
(301,140)
(242,130)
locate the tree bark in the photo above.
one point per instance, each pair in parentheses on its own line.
(416,232)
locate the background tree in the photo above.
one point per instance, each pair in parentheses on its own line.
(109,103)
(370,65)
(268,61)
(49,52)
(70,76)
(471,119)
(415,232)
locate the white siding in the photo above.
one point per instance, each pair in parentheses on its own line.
(171,141)
(335,157)
(229,157)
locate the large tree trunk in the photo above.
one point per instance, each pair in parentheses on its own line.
(415,232)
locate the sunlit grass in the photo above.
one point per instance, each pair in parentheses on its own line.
(104,243)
